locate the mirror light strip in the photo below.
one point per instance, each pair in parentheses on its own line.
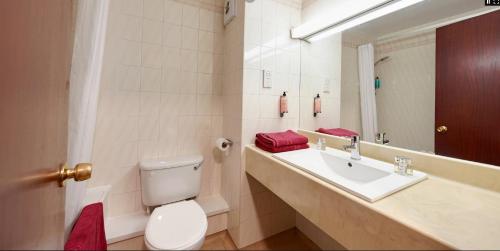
(360,18)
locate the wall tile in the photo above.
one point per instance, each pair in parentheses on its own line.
(189,61)
(206,41)
(149,128)
(152,55)
(205,62)
(189,38)
(205,83)
(189,82)
(171,81)
(130,53)
(204,105)
(207,19)
(153,9)
(160,93)
(151,79)
(128,78)
(172,35)
(171,58)
(131,7)
(133,28)
(190,16)
(151,31)
(173,12)
(150,104)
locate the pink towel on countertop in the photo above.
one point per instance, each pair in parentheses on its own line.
(280,149)
(88,231)
(280,139)
(340,132)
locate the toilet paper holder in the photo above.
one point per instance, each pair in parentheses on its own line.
(227,143)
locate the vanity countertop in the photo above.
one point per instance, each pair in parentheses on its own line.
(456,215)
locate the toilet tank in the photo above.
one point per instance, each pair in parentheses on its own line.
(170,180)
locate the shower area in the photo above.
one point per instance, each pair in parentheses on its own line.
(401,67)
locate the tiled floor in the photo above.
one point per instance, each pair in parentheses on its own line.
(291,239)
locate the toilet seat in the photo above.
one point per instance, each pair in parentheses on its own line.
(177,226)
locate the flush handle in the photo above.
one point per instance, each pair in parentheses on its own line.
(442,129)
(81,172)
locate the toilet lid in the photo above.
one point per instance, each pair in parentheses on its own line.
(176,226)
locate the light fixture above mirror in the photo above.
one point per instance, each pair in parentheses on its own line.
(326,26)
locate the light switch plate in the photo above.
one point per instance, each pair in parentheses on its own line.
(267,79)
(326,85)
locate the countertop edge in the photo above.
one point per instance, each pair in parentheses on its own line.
(350,196)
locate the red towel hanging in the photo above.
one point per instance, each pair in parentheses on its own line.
(88,231)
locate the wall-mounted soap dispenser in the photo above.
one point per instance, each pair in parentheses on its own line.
(283,105)
(317,105)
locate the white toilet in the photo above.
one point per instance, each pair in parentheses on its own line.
(178,223)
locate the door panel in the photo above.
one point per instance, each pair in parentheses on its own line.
(35,55)
(468,89)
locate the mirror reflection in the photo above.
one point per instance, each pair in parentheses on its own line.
(424,78)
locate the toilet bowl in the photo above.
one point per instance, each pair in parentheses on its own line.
(176,226)
(177,222)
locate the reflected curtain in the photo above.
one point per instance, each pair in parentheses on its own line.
(85,78)
(367,91)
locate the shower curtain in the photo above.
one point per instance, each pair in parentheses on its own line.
(85,78)
(367,92)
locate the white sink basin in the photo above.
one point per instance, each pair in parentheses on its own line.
(367,178)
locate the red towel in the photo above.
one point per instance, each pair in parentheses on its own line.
(88,231)
(280,149)
(340,132)
(280,139)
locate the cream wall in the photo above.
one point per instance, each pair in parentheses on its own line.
(267,46)
(232,102)
(161,93)
(350,103)
(406,100)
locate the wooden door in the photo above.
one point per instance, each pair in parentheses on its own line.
(36,40)
(468,89)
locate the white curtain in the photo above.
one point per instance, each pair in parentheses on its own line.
(85,78)
(367,91)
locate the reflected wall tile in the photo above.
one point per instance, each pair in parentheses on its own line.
(173,12)
(152,31)
(207,19)
(153,9)
(131,7)
(151,79)
(172,35)
(190,16)
(152,55)
(189,38)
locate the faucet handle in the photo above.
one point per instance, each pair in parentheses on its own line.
(402,165)
(355,139)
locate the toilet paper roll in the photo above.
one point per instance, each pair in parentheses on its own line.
(222,144)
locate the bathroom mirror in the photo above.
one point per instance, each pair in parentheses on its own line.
(424,78)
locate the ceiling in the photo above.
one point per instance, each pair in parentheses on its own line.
(426,12)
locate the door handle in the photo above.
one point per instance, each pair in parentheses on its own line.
(442,129)
(81,172)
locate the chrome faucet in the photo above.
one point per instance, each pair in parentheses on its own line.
(354,147)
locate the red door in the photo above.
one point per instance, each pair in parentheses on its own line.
(468,89)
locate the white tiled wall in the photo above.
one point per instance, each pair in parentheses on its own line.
(350,113)
(408,77)
(161,93)
(267,46)
(232,88)
(320,63)
(175,79)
